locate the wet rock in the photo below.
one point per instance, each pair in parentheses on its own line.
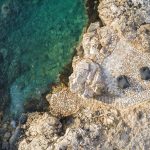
(43,104)
(145,73)
(14,70)
(7,135)
(31,105)
(123,82)
(23,119)
(2,131)
(13,123)
(92,10)
(15,136)
(5,125)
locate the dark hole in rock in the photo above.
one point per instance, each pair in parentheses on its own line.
(144,23)
(97,137)
(65,73)
(140,115)
(43,104)
(40,105)
(92,12)
(123,82)
(87,130)
(147,31)
(139,5)
(31,105)
(130,4)
(145,73)
(79,137)
(97,113)
(63,148)
(65,121)
(115,148)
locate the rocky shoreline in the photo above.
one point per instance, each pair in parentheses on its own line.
(106,105)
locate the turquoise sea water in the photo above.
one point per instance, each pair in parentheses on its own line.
(37,39)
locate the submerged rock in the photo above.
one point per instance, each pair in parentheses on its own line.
(5,10)
(15,136)
(23,119)
(13,124)
(31,105)
(7,135)
(5,145)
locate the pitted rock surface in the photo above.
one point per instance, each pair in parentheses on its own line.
(120,47)
(63,103)
(96,126)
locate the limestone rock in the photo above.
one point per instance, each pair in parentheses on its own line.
(41,130)
(127,18)
(120,47)
(63,103)
(100,127)
(86,79)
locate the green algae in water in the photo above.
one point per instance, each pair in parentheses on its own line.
(40,40)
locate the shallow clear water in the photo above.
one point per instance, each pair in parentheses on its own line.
(37,39)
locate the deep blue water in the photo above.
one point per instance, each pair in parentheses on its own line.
(37,39)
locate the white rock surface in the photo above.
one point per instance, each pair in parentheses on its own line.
(86,79)
(120,47)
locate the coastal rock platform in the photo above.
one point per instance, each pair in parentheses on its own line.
(106,106)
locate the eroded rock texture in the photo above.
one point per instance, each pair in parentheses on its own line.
(96,126)
(120,47)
